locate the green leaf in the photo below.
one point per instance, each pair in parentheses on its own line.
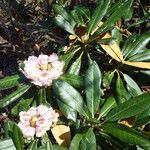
(18,138)
(132,87)
(107,106)
(58,147)
(14,96)
(11,81)
(81,15)
(7,144)
(33,145)
(92,87)
(67,57)
(130,108)
(135,44)
(74,80)
(75,67)
(64,24)
(62,12)
(115,16)
(120,95)
(70,96)
(76,142)
(126,134)
(8,128)
(88,142)
(142,121)
(142,56)
(67,111)
(98,15)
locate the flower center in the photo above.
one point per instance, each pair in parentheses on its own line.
(33,120)
(48,66)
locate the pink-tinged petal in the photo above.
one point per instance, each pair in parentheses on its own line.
(25,117)
(32,111)
(53,57)
(58,65)
(33,59)
(28,132)
(43,59)
(41,109)
(40,131)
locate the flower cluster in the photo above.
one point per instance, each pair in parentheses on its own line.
(43,69)
(36,121)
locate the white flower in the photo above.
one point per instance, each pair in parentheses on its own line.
(36,121)
(43,69)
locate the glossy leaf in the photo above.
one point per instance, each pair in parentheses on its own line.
(88,141)
(18,138)
(64,24)
(67,57)
(11,81)
(131,85)
(107,106)
(115,16)
(58,147)
(98,14)
(8,128)
(7,144)
(33,145)
(67,110)
(14,96)
(126,134)
(120,95)
(74,80)
(92,87)
(75,67)
(62,12)
(142,121)
(70,96)
(76,142)
(130,108)
(134,45)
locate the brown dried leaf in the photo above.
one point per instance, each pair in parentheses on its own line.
(62,134)
(129,121)
(112,49)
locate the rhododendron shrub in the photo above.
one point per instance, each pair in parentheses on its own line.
(88,94)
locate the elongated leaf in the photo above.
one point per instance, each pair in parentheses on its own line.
(14,96)
(74,80)
(92,87)
(18,138)
(67,57)
(70,96)
(7,144)
(33,145)
(11,81)
(137,44)
(108,105)
(58,147)
(142,121)
(8,128)
(88,141)
(142,56)
(67,110)
(75,67)
(132,86)
(121,92)
(97,16)
(81,15)
(76,142)
(130,108)
(62,12)
(112,49)
(117,14)
(144,65)
(64,24)
(126,134)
